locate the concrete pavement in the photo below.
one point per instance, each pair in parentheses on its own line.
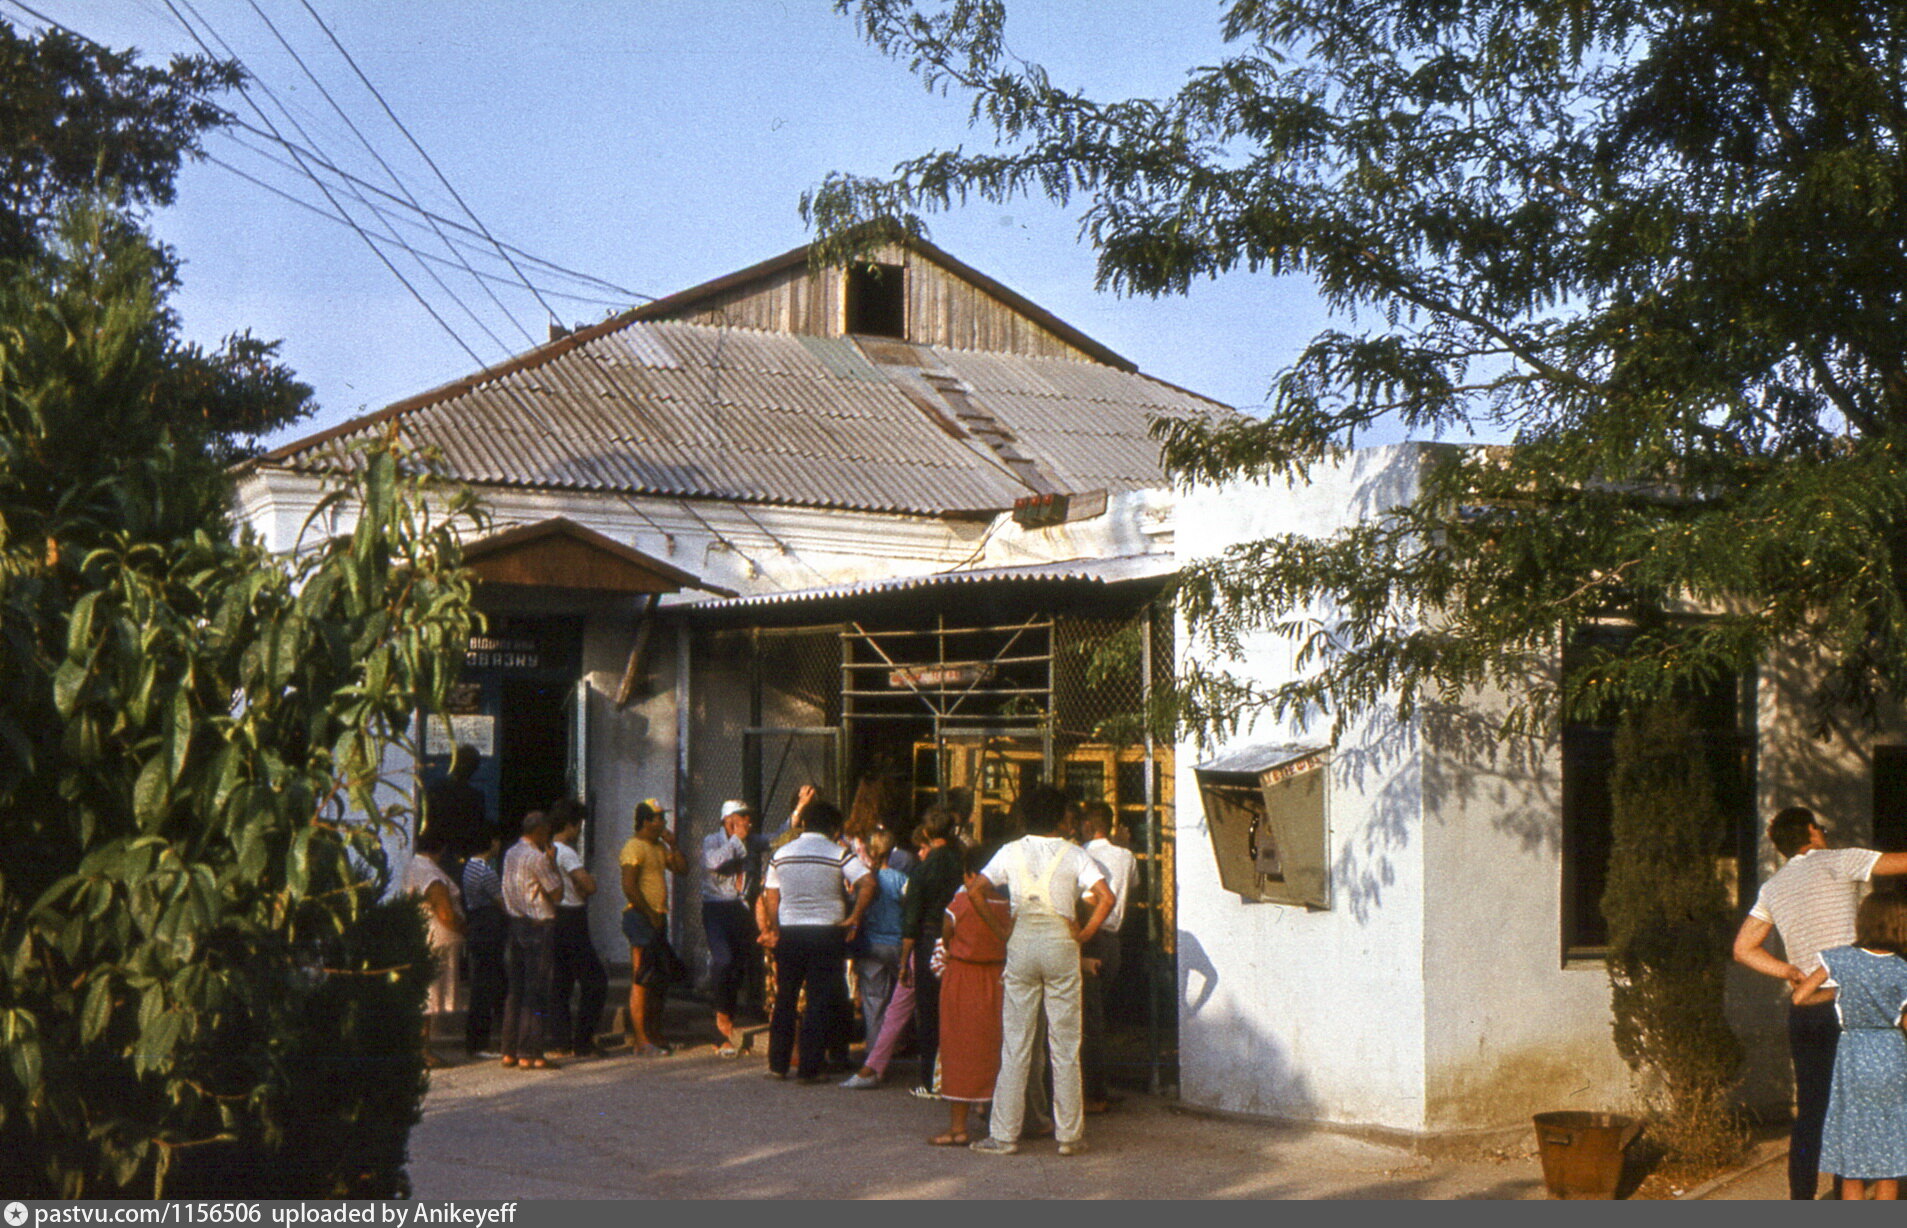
(699,1126)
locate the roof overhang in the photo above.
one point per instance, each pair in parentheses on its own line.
(1071,573)
(559,553)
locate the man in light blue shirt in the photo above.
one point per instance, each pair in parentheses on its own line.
(731,868)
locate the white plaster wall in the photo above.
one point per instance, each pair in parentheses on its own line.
(1317,1015)
(631,756)
(762,548)
(1511,1030)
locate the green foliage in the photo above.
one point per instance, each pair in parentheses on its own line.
(78,119)
(82,126)
(201,993)
(1658,244)
(1669,923)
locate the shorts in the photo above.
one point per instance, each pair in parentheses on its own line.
(637,928)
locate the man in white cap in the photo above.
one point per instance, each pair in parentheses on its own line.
(731,873)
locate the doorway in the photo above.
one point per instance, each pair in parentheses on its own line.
(533,748)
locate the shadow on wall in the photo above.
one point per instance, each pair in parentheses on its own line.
(1271,1085)
(1365,866)
(1474,767)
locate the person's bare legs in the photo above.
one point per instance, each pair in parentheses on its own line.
(956,1134)
(725,1024)
(652,1023)
(1887,1190)
(638,1004)
(1852,1189)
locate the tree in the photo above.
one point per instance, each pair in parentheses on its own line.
(79,119)
(203,991)
(84,123)
(1669,922)
(1656,243)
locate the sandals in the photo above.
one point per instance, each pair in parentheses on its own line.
(949,1139)
(727,1049)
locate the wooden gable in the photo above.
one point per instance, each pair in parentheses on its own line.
(947,304)
(559,553)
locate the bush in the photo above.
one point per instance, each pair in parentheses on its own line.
(1670,919)
(201,992)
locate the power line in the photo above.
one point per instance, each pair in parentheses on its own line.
(306,205)
(428,160)
(374,211)
(528,257)
(172,7)
(395,178)
(304,158)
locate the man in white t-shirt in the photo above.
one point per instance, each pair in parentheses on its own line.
(577,963)
(1100,956)
(1045,875)
(1810,902)
(807,922)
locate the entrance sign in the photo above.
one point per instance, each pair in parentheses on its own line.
(930,677)
(504,652)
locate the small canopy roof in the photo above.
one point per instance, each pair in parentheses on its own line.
(559,553)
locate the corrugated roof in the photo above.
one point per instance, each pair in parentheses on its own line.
(672,408)
(1118,570)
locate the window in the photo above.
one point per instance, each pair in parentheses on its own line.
(1890,798)
(1265,811)
(877,300)
(1724,713)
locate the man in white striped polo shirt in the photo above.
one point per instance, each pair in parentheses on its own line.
(1811,902)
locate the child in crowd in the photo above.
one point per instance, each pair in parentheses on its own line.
(877,965)
(1865,1138)
(975,930)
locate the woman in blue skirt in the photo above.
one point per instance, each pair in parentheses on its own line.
(1865,1139)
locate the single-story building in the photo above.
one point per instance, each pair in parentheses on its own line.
(1402,930)
(897,532)
(891,530)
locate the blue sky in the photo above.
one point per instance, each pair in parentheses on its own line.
(652,143)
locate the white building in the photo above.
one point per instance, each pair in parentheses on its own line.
(898,532)
(1426,959)
(891,530)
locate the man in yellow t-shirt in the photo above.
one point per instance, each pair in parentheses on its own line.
(647,860)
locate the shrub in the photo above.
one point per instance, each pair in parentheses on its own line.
(1670,919)
(201,992)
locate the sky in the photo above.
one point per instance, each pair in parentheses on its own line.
(653,144)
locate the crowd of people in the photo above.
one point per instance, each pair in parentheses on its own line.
(993,958)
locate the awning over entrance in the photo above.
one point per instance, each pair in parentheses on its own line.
(1079,572)
(559,553)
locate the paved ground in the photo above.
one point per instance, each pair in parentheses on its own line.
(698,1126)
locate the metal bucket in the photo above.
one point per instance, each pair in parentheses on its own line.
(1582,1152)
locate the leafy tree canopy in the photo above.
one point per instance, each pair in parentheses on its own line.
(84,125)
(77,118)
(203,991)
(1657,243)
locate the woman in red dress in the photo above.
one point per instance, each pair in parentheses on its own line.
(975,931)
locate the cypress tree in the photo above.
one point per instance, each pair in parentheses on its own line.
(1669,921)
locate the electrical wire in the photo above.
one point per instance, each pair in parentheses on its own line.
(374,211)
(306,205)
(388,169)
(442,323)
(304,158)
(428,160)
(627,294)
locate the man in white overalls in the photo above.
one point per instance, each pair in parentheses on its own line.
(1044,874)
